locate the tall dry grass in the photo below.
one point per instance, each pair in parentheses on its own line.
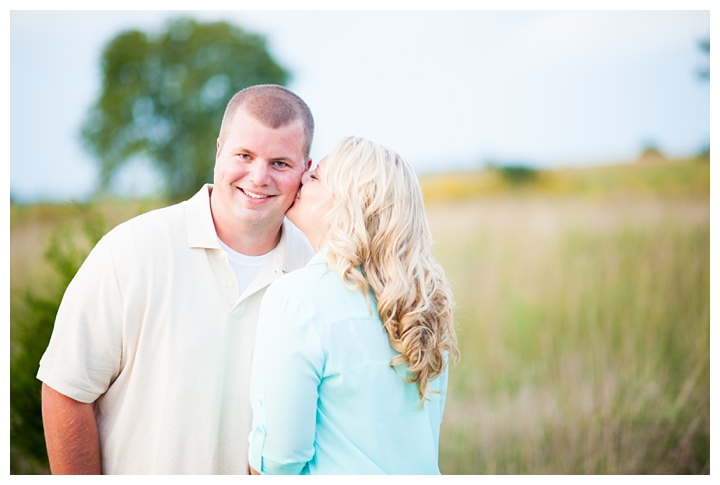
(582,308)
(584,330)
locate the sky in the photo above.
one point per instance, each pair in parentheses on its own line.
(448,90)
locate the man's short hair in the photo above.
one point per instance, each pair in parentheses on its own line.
(272,105)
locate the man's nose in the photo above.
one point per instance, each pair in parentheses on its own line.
(259,173)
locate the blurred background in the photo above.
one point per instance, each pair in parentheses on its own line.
(565,161)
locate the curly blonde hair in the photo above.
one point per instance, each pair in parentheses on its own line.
(377,223)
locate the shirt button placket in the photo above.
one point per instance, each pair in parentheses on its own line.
(230,282)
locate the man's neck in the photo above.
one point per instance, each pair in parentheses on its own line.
(251,241)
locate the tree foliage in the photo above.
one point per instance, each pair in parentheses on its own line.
(704,46)
(163,97)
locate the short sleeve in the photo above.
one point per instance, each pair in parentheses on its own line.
(84,353)
(286,372)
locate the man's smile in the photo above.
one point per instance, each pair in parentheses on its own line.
(254,195)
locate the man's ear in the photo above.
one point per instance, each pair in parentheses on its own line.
(308,164)
(217,153)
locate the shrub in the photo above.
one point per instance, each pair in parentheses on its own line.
(67,248)
(517,174)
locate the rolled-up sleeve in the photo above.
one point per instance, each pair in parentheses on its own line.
(286,372)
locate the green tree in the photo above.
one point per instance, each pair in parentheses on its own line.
(163,97)
(704,46)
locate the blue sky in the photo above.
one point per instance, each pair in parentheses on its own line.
(449,90)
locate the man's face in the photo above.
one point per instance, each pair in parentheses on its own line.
(257,172)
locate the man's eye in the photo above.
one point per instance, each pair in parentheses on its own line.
(244,156)
(280,164)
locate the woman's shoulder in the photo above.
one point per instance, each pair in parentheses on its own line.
(309,274)
(301,284)
(317,272)
(316,286)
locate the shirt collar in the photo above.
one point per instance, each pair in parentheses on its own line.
(200,226)
(290,251)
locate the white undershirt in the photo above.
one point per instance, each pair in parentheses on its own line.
(246,268)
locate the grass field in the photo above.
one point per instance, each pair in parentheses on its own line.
(583,312)
(583,318)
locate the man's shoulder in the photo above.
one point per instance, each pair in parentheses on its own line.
(146,238)
(149,224)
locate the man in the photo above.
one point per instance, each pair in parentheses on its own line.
(148,367)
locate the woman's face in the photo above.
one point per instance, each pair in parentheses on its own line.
(310,205)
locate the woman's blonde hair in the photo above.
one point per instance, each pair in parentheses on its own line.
(376,222)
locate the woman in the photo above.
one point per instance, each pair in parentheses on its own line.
(350,365)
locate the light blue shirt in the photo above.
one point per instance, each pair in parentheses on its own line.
(325,399)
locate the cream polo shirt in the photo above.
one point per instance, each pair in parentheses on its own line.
(152,331)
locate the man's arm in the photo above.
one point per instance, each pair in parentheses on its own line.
(71,434)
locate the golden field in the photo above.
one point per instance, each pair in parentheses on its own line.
(583,315)
(583,312)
